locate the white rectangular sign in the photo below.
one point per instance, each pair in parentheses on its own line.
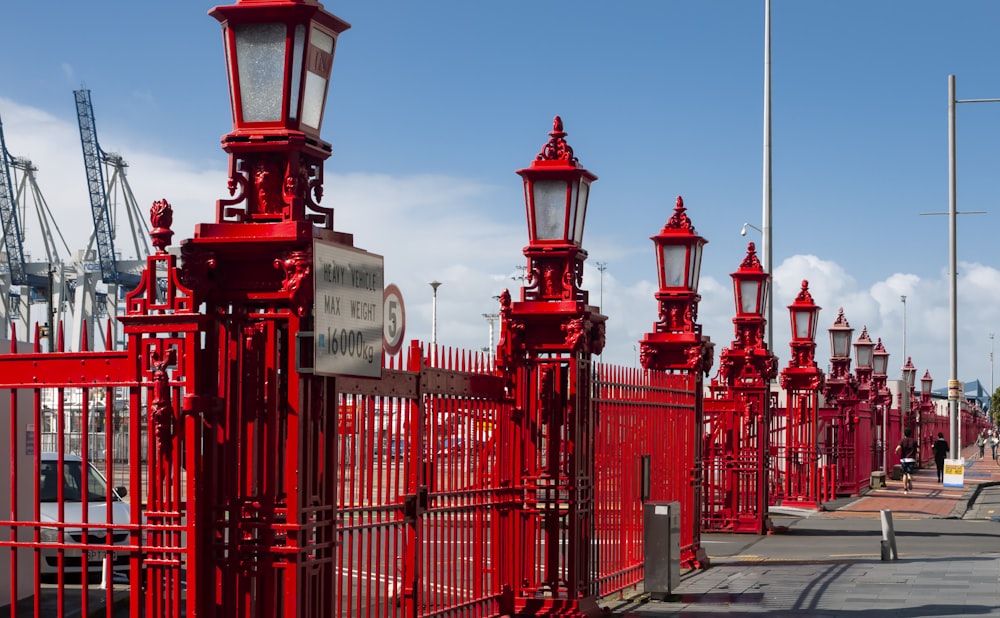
(348,311)
(954,472)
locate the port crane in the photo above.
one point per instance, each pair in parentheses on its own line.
(102,277)
(27,283)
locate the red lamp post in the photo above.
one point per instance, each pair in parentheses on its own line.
(676,344)
(547,340)
(881,400)
(740,499)
(925,414)
(841,390)
(262,503)
(909,417)
(805,483)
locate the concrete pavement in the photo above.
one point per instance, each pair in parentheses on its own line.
(828,563)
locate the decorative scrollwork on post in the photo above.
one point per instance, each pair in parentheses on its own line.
(298,280)
(161,405)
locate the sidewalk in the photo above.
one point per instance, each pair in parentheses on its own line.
(828,563)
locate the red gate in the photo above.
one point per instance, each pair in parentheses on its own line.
(641,454)
(420,493)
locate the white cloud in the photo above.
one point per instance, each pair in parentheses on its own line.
(469,235)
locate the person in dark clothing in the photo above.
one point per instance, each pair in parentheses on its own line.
(907,451)
(940,452)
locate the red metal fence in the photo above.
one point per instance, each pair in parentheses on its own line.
(419,491)
(645,451)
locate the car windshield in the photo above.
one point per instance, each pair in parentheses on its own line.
(72,482)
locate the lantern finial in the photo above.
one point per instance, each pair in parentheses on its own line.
(557,149)
(679,220)
(751,260)
(804,295)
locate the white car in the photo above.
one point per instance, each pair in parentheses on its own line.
(74,483)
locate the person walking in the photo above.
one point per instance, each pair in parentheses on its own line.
(994,440)
(981,443)
(940,452)
(907,451)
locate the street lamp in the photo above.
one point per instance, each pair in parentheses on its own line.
(279,54)
(602,266)
(909,376)
(863,354)
(751,285)
(676,344)
(992,388)
(678,269)
(840,341)
(902,299)
(556,190)
(954,385)
(434,314)
(880,364)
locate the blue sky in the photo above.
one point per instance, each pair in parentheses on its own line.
(434,105)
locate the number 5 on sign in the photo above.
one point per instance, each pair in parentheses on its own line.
(393,319)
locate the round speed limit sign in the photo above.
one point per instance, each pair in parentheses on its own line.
(393,319)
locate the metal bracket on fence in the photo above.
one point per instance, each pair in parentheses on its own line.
(305,360)
(888,537)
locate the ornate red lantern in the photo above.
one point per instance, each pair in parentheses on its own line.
(279,54)
(751,285)
(909,374)
(676,340)
(880,360)
(925,385)
(863,352)
(678,254)
(804,313)
(556,190)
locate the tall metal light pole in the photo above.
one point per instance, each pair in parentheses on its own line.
(765,252)
(602,266)
(954,385)
(992,388)
(434,313)
(902,298)
(905,391)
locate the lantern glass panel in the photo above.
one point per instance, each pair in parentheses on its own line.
(694,272)
(908,375)
(840,343)
(674,263)
(316,78)
(881,362)
(925,386)
(864,356)
(549,202)
(581,211)
(260,54)
(801,323)
(298,50)
(571,221)
(749,291)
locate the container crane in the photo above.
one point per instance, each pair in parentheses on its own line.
(44,280)
(117,275)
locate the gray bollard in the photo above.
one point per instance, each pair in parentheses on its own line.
(889,551)
(661,548)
